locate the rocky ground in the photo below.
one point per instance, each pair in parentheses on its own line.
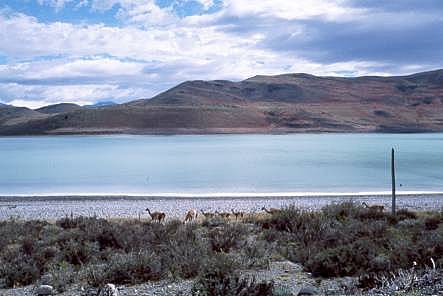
(289,279)
(51,208)
(81,254)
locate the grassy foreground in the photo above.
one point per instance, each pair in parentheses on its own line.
(381,250)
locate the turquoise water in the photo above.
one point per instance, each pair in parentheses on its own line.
(218,163)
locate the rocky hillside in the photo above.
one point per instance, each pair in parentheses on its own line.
(266,104)
(59,108)
(11,116)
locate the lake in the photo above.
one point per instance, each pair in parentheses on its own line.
(211,164)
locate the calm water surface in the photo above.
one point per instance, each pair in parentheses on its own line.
(218,163)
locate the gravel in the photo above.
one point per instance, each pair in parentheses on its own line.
(286,275)
(51,208)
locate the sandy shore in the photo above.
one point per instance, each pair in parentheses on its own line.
(54,207)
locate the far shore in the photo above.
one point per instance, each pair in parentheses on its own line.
(217,131)
(220,195)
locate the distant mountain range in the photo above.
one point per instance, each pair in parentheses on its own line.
(261,104)
(101,104)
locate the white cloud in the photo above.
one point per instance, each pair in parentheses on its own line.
(196,46)
(153,48)
(82,3)
(124,63)
(290,10)
(98,67)
(103,5)
(31,104)
(68,39)
(13,93)
(145,13)
(57,4)
(75,80)
(206,3)
(139,12)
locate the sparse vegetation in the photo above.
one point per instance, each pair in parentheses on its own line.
(343,239)
(352,240)
(220,276)
(99,251)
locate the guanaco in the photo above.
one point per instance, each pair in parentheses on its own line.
(156,216)
(237,214)
(191,215)
(208,215)
(271,210)
(375,208)
(223,214)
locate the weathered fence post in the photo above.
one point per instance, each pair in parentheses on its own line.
(393,180)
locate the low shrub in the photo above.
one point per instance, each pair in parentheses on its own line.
(404,214)
(304,226)
(341,211)
(255,253)
(340,240)
(123,269)
(81,222)
(351,240)
(184,253)
(232,285)
(226,237)
(432,223)
(365,214)
(18,271)
(61,275)
(409,282)
(352,210)
(220,278)
(79,252)
(281,292)
(344,260)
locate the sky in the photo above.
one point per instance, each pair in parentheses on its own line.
(87,51)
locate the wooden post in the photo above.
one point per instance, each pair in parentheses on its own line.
(393,180)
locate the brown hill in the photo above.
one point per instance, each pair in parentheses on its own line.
(58,108)
(10,115)
(282,103)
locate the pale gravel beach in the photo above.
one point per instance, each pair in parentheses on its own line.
(54,207)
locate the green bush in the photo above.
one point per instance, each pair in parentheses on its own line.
(342,211)
(344,260)
(220,278)
(255,253)
(304,226)
(432,223)
(226,237)
(351,240)
(341,239)
(232,285)
(185,252)
(18,270)
(123,269)
(61,276)
(404,214)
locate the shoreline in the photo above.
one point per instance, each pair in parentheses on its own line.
(56,207)
(203,196)
(205,132)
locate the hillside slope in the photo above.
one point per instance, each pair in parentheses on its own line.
(58,108)
(282,103)
(10,115)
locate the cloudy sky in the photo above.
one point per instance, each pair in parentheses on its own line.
(84,51)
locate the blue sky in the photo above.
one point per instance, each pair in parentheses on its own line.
(84,51)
